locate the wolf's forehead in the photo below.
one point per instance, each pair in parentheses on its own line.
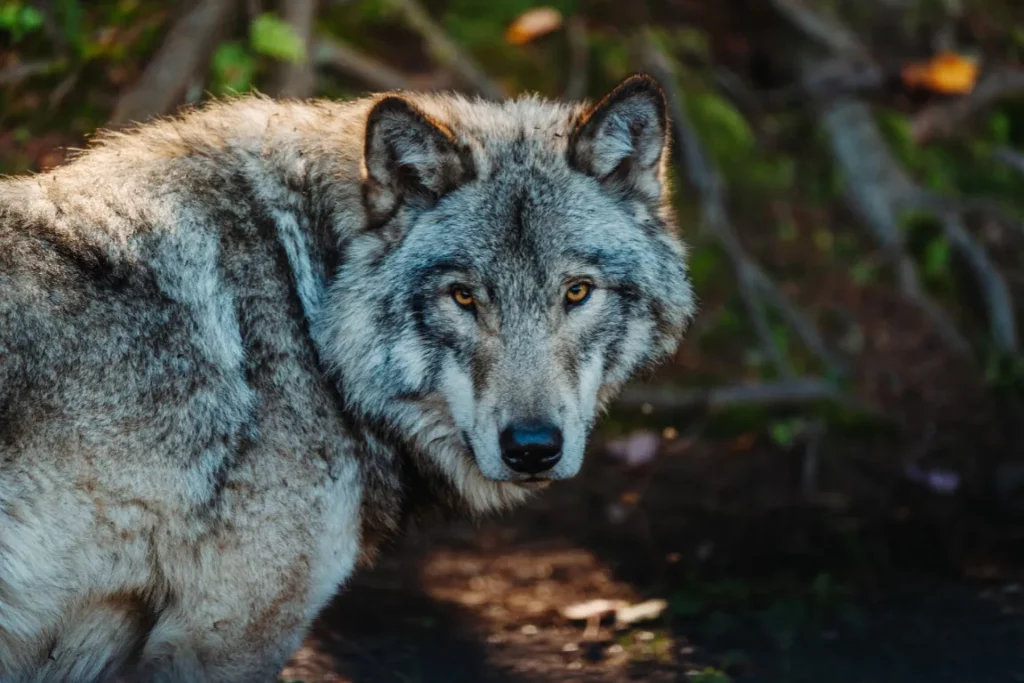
(527,129)
(521,209)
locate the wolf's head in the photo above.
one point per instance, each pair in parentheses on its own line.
(519,264)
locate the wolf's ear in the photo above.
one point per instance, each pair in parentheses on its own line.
(621,140)
(409,158)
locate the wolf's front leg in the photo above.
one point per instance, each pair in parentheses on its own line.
(239,605)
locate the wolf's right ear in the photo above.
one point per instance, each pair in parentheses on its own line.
(409,158)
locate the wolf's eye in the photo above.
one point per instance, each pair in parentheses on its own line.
(463,297)
(577,294)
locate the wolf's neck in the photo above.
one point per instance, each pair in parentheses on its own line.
(302,166)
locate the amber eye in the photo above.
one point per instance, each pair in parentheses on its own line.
(577,293)
(463,297)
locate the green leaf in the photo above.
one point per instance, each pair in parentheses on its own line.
(71,18)
(999,128)
(786,230)
(19,20)
(275,38)
(710,675)
(705,263)
(687,605)
(936,257)
(862,272)
(726,125)
(233,67)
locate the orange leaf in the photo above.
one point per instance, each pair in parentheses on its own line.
(946,72)
(532,24)
(743,442)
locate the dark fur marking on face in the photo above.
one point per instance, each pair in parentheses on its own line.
(420,305)
(480,369)
(569,359)
(616,334)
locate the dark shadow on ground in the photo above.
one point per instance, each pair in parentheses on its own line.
(916,588)
(384,628)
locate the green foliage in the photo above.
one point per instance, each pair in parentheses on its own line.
(1004,373)
(863,272)
(272,37)
(726,129)
(783,619)
(69,15)
(710,675)
(927,242)
(936,257)
(19,19)
(959,166)
(786,433)
(232,68)
(786,230)
(705,264)
(732,143)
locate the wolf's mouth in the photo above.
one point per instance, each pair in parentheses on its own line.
(534,483)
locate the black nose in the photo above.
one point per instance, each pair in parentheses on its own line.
(531,447)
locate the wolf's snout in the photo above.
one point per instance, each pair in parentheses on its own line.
(531,447)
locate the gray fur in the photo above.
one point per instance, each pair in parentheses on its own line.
(230,363)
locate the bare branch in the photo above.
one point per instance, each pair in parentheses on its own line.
(825,29)
(185,50)
(880,190)
(1011,158)
(830,78)
(877,189)
(445,51)
(16,73)
(995,292)
(785,393)
(940,120)
(334,54)
(297,80)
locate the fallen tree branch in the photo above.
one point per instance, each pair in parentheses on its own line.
(879,190)
(297,80)
(16,73)
(445,51)
(756,288)
(876,189)
(186,49)
(943,119)
(784,393)
(995,292)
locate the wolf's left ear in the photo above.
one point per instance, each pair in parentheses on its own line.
(409,158)
(621,140)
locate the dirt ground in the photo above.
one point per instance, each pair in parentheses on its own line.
(760,586)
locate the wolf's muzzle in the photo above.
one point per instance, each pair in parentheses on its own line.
(531,447)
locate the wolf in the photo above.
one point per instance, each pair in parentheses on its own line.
(242,347)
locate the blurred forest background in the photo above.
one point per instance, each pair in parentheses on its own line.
(828,482)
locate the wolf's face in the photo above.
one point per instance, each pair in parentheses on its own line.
(519,266)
